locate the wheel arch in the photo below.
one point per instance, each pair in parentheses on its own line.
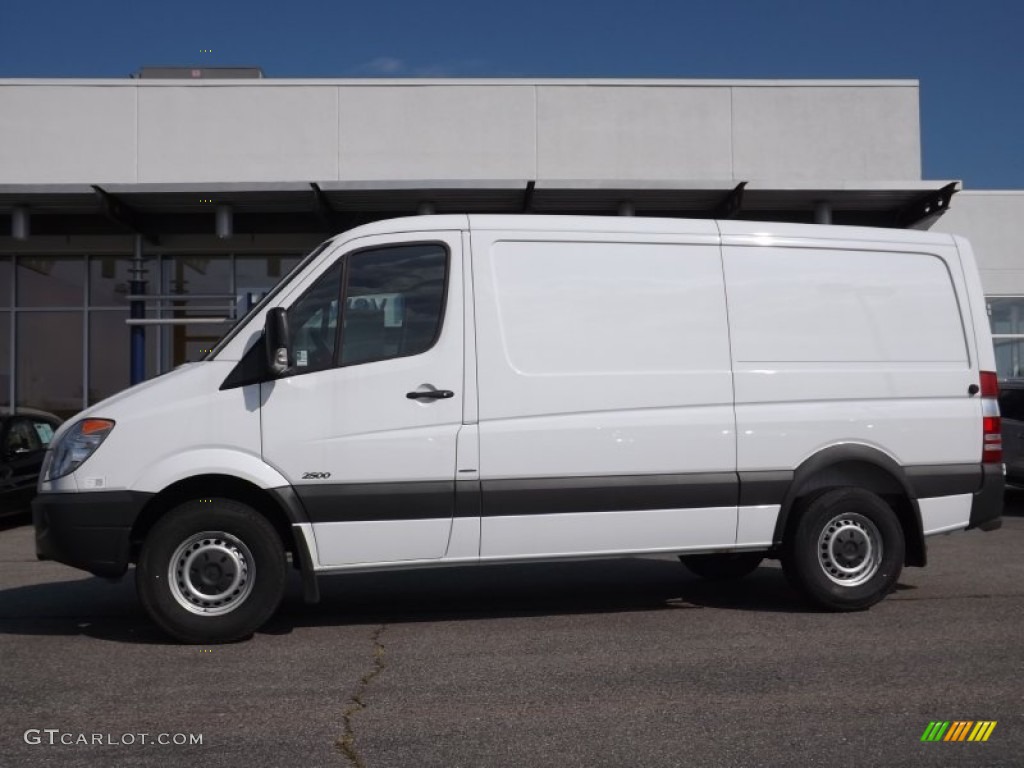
(859,466)
(280,506)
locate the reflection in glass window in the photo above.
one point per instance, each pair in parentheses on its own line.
(110,353)
(1006,315)
(394,301)
(48,281)
(196,275)
(5,281)
(1009,358)
(5,358)
(256,275)
(109,278)
(196,340)
(50,361)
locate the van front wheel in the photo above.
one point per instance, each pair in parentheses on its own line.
(211,571)
(846,551)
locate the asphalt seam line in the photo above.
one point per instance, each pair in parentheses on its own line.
(347,743)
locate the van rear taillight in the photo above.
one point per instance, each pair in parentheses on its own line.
(989,384)
(991,426)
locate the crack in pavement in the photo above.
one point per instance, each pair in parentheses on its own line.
(347,743)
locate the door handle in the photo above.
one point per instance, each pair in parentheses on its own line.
(430,394)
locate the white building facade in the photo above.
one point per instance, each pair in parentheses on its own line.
(181,201)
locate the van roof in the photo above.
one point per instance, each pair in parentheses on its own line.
(644,225)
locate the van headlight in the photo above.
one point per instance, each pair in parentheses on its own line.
(76,445)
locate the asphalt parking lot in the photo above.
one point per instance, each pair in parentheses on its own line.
(617,663)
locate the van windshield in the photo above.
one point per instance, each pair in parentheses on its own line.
(240,322)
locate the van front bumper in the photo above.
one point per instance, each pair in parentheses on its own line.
(91,531)
(987,505)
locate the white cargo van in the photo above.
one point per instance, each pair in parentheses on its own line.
(486,389)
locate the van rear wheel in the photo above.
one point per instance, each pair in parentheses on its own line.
(211,571)
(725,566)
(846,551)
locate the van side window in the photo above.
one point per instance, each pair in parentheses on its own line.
(393,303)
(313,323)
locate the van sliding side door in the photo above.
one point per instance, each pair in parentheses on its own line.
(606,418)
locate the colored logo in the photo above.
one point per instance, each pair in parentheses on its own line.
(958,730)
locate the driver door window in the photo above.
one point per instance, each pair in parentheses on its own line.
(392,306)
(394,301)
(313,323)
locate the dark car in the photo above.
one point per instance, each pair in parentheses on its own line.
(1011,408)
(24,437)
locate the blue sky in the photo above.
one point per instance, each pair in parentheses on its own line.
(968,54)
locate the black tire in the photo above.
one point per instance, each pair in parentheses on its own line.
(846,551)
(231,571)
(726,566)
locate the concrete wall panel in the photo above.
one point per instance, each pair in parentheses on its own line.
(992,221)
(264,133)
(637,132)
(66,133)
(846,133)
(423,132)
(672,131)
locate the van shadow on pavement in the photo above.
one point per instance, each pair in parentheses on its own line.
(100,609)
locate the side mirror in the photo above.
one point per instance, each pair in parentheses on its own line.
(277,341)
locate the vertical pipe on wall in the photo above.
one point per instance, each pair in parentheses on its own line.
(137,287)
(822,212)
(225,222)
(20,223)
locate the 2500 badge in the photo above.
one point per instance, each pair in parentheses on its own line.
(315,475)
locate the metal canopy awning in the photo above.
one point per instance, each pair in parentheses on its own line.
(330,206)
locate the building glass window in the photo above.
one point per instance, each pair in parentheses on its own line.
(197,274)
(49,361)
(46,281)
(5,281)
(194,275)
(110,353)
(72,345)
(5,359)
(256,275)
(109,278)
(1006,317)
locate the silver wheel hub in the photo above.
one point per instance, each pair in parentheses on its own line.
(850,549)
(211,573)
